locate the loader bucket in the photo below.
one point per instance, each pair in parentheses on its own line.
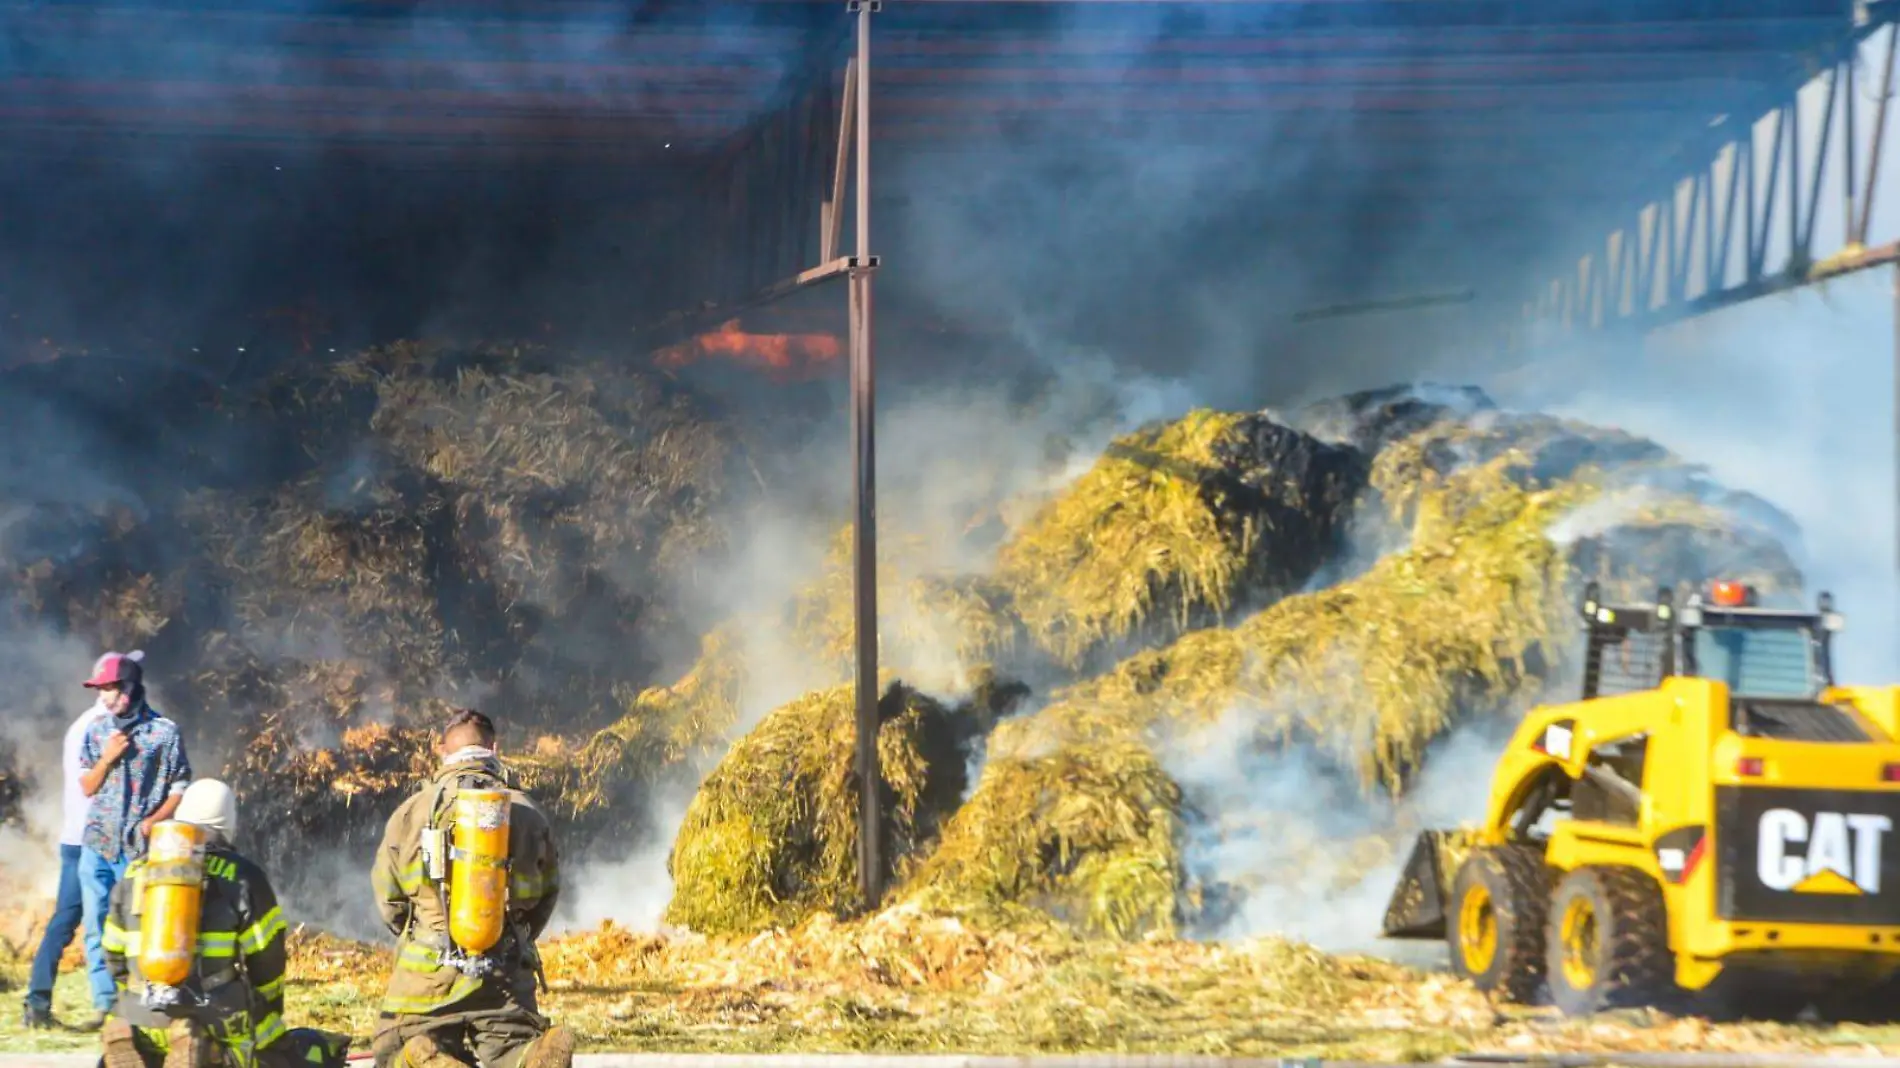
(1417,908)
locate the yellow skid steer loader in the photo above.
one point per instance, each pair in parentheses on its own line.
(1715,807)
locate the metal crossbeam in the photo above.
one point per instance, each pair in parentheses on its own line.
(1705,244)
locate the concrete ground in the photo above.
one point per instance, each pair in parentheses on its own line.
(1108,1061)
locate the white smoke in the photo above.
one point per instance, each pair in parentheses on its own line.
(1315,857)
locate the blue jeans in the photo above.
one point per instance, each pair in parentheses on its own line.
(97,877)
(68,911)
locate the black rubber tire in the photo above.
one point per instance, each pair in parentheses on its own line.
(1631,963)
(1519,887)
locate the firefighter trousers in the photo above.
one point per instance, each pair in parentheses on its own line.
(495,1026)
(301,1047)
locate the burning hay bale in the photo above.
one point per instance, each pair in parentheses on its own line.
(1173,526)
(1653,517)
(685,724)
(308,799)
(771,836)
(88,571)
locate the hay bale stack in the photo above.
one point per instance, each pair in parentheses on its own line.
(1075,815)
(1369,420)
(771,836)
(1368,671)
(558,479)
(1654,518)
(306,577)
(1173,526)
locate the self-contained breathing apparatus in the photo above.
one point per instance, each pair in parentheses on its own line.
(465,854)
(168,899)
(170,905)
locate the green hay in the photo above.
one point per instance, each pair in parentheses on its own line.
(1085,833)
(771,836)
(1381,664)
(1169,524)
(1074,814)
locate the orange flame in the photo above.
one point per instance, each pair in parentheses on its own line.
(781,355)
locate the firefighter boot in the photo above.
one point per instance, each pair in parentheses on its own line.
(423,1052)
(555,1049)
(119,1046)
(187,1046)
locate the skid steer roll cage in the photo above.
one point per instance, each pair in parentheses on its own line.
(1652,642)
(1649,643)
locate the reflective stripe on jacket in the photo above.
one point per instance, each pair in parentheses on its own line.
(412,906)
(239,969)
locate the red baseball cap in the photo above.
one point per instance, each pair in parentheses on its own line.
(117,669)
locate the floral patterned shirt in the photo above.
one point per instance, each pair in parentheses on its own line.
(151,769)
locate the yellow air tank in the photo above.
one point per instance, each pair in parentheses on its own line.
(478,877)
(171,898)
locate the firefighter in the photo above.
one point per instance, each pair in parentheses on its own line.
(466,879)
(194,941)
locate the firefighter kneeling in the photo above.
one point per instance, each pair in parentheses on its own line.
(195,941)
(467,878)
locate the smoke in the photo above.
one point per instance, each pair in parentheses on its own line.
(632,892)
(40,696)
(210,184)
(1314,857)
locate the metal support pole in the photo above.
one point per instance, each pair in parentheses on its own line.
(863,394)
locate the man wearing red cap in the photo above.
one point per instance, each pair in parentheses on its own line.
(134,770)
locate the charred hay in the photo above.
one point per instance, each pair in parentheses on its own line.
(409,527)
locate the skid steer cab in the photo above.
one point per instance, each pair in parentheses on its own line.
(1715,808)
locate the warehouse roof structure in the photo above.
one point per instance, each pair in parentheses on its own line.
(1494,114)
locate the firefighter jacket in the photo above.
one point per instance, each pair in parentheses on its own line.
(237,980)
(414,907)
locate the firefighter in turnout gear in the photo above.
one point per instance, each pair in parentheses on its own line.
(194,940)
(466,878)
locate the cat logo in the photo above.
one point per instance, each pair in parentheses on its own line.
(1842,855)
